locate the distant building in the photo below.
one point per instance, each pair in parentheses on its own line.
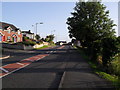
(9,32)
(28,34)
(61,42)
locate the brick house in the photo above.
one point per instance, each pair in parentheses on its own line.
(9,32)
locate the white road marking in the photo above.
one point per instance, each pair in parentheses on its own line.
(18,68)
(20,63)
(51,51)
(4,70)
(13,71)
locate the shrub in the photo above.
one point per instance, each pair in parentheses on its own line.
(115,65)
(32,43)
(110,49)
(25,38)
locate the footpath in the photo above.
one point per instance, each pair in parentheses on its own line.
(78,74)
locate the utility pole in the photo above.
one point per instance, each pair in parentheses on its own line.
(36,26)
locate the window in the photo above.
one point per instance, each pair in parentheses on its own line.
(18,32)
(9,31)
(18,39)
(8,38)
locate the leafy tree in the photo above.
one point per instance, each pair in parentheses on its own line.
(118,44)
(37,37)
(43,39)
(49,38)
(90,24)
(110,49)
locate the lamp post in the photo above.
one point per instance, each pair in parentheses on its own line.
(36,26)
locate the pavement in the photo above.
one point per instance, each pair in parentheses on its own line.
(63,68)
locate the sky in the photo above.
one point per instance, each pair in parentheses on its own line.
(53,15)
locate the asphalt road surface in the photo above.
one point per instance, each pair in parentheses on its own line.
(63,68)
(17,55)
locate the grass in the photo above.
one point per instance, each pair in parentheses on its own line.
(45,46)
(112,78)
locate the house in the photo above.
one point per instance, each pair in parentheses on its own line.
(9,32)
(61,43)
(28,34)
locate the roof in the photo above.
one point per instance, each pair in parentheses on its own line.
(4,25)
(28,32)
(62,41)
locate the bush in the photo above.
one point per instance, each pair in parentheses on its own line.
(110,49)
(115,65)
(25,38)
(32,43)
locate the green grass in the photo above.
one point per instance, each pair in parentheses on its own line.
(114,79)
(45,46)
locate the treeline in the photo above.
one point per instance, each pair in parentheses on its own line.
(91,25)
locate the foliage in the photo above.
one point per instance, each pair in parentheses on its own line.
(25,38)
(114,79)
(37,37)
(49,38)
(91,25)
(110,49)
(90,22)
(115,65)
(45,46)
(43,39)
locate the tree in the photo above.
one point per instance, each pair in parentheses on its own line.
(37,37)
(49,38)
(110,49)
(90,24)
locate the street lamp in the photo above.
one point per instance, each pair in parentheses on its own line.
(36,26)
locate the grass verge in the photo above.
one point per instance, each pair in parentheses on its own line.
(45,46)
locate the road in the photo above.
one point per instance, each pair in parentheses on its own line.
(63,68)
(17,55)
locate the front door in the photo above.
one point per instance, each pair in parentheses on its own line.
(13,39)
(3,38)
